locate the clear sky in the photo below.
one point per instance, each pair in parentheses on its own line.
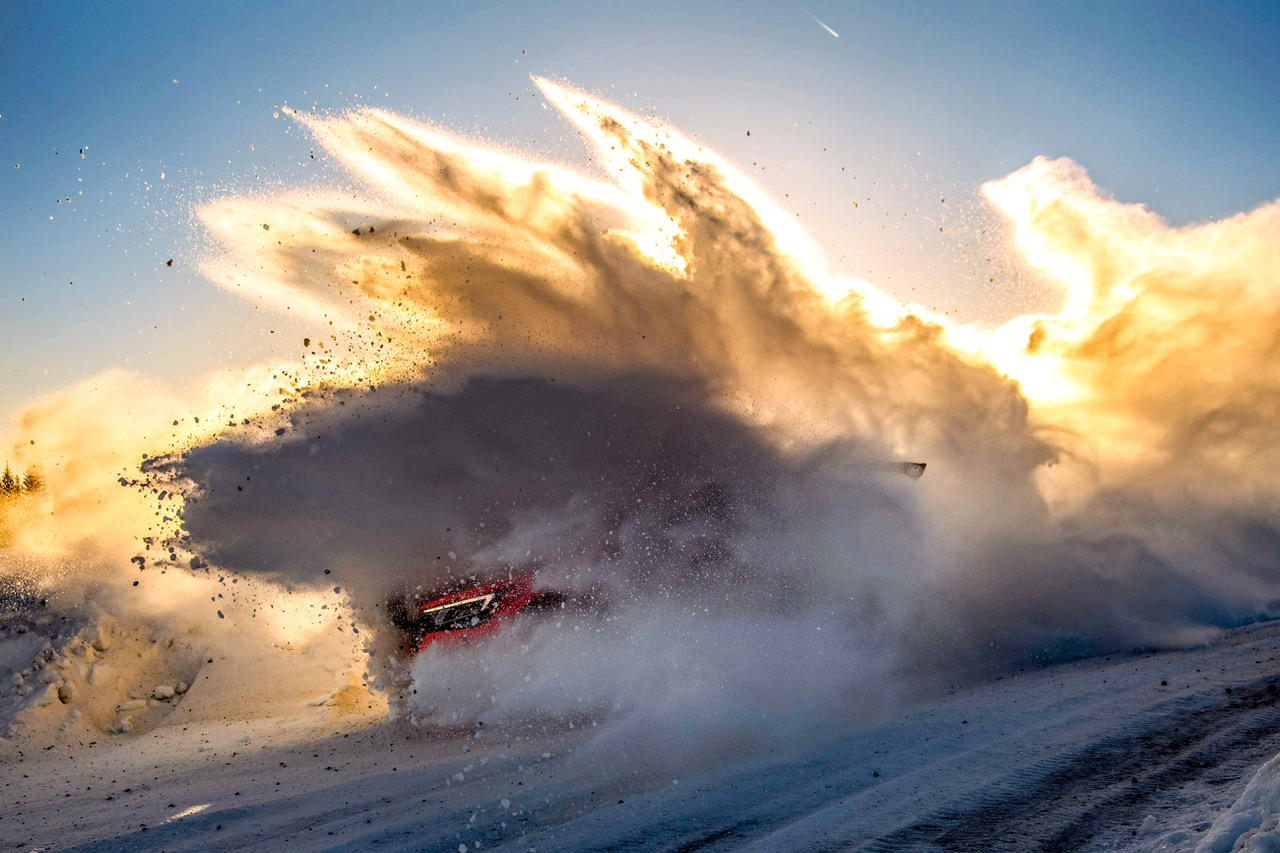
(1170,104)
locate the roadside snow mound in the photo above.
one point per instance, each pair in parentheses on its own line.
(98,677)
(1252,825)
(84,676)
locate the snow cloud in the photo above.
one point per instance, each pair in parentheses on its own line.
(649,388)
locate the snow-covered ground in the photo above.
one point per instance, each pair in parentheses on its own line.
(1143,752)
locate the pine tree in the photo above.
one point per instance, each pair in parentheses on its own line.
(9,484)
(32,481)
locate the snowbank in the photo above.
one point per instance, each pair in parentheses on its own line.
(1252,825)
(83,676)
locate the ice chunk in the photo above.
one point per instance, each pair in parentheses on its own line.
(101,636)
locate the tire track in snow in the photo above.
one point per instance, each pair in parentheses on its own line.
(1074,801)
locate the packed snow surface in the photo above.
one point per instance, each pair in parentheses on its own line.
(1142,751)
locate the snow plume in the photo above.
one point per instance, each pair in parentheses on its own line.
(645,386)
(1164,353)
(693,533)
(648,389)
(1159,377)
(101,546)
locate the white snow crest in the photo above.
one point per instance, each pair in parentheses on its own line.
(1252,824)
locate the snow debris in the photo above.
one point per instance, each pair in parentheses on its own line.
(47,696)
(99,674)
(1252,824)
(101,637)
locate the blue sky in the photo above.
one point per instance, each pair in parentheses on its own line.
(1173,105)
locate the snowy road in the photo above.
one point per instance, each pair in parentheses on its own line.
(1073,757)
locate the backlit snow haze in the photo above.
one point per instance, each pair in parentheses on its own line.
(641,380)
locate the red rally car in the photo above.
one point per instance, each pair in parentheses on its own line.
(472,613)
